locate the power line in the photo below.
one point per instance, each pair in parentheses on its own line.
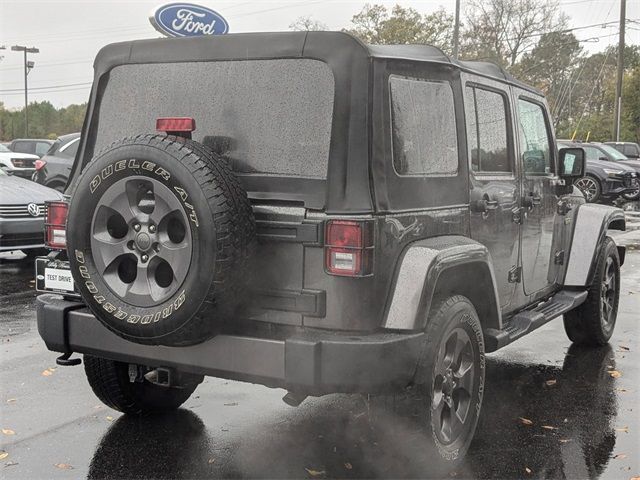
(47,87)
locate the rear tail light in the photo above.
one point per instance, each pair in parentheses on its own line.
(349,248)
(55,225)
(39,164)
(180,126)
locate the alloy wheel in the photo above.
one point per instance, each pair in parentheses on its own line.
(454,380)
(588,187)
(141,241)
(608,295)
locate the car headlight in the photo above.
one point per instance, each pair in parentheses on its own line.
(612,173)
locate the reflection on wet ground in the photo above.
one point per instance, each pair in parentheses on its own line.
(573,434)
(580,421)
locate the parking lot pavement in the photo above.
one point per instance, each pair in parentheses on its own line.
(550,411)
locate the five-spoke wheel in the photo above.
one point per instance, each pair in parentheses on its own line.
(140,241)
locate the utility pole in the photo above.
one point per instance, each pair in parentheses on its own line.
(617,112)
(456,31)
(28,65)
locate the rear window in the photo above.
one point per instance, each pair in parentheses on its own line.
(277,113)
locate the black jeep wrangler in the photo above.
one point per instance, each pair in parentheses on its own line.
(318,215)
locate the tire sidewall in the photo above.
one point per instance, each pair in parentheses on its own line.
(461,315)
(141,324)
(608,251)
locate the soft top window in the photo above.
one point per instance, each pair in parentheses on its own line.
(273,116)
(425,141)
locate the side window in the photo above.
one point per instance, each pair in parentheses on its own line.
(423,124)
(591,153)
(534,139)
(22,147)
(41,148)
(487,131)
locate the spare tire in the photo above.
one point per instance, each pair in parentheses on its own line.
(160,235)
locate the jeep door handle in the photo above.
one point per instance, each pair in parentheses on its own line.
(532,200)
(484,206)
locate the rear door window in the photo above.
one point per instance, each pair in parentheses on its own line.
(425,140)
(487,137)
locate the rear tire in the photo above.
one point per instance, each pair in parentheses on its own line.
(593,322)
(445,401)
(109,381)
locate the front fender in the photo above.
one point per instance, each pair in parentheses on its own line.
(422,270)
(590,230)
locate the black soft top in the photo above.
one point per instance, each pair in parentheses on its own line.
(347,188)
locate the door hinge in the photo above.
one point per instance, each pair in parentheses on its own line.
(559,257)
(515,274)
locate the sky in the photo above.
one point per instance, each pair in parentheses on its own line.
(70,33)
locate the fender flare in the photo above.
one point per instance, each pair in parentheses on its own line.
(585,243)
(424,264)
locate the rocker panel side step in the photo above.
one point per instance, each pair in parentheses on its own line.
(528,320)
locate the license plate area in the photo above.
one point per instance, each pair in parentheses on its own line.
(54,276)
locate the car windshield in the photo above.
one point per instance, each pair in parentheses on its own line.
(4,149)
(613,153)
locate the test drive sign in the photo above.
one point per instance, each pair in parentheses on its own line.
(187,20)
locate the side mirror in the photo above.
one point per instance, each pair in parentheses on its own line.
(572,163)
(604,159)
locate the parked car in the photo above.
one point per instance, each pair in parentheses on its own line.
(35,146)
(629,149)
(53,169)
(377,232)
(605,177)
(20,164)
(22,209)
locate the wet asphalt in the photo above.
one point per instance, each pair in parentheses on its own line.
(550,411)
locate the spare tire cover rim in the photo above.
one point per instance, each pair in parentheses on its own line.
(141,241)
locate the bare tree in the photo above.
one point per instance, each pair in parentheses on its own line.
(307,24)
(376,25)
(501,30)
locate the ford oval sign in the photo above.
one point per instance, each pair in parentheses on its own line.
(187,20)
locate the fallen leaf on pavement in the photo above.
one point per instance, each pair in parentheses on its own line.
(11,400)
(47,373)
(620,456)
(623,347)
(527,469)
(614,373)
(348,466)
(551,382)
(623,429)
(109,418)
(525,421)
(232,404)
(10,464)
(549,427)
(565,440)
(315,473)
(8,431)
(3,455)
(63,466)
(211,460)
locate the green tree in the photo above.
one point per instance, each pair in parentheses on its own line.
(376,25)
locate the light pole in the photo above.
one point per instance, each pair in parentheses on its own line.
(28,65)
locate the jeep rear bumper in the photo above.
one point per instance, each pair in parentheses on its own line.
(314,362)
